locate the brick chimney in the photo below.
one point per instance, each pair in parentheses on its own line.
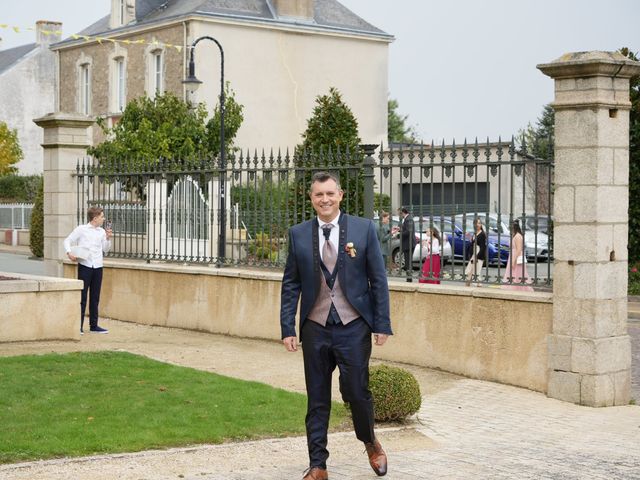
(298,9)
(43,26)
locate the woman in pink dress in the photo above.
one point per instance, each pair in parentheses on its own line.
(515,274)
(431,265)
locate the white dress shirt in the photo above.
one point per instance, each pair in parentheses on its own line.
(93,239)
(334,237)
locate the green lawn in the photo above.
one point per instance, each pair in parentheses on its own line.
(85,403)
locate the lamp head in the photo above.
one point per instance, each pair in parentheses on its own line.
(191,81)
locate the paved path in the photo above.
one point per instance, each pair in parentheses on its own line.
(20,263)
(465,429)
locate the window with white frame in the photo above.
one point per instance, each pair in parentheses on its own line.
(121,11)
(84,89)
(156,72)
(120,84)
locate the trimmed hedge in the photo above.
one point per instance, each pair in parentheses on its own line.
(396,393)
(36,233)
(19,188)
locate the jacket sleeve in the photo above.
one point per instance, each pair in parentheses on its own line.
(290,292)
(378,284)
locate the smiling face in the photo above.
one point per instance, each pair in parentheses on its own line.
(325,198)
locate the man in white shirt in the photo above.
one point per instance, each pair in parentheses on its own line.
(93,240)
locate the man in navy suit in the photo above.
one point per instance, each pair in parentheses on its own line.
(336,266)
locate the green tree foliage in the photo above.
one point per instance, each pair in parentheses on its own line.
(330,142)
(397,129)
(538,141)
(233,118)
(332,126)
(36,231)
(634,163)
(19,188)
(539,138)
(10,151)
(262,206)
(381,202)
(166,127)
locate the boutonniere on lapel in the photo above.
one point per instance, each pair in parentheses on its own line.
(350,249)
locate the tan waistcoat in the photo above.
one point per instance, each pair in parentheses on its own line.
(326,297)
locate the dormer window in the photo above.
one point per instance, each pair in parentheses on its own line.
(122,12)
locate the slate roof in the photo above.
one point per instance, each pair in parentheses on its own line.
(329,15)
(13,55)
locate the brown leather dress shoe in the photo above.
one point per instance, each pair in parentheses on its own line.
(316,473)
(377,458)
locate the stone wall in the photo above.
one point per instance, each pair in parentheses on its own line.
(39,308)
(481,333)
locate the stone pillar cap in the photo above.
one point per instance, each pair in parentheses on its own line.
(54,119)
(589,64)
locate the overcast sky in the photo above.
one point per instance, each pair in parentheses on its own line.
(458,67)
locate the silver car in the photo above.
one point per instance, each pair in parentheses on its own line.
(421,250)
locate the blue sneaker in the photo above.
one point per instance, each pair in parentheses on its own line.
(98,330)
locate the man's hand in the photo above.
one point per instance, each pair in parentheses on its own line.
(290,343)
(71,257)
(380,338)
(109,233)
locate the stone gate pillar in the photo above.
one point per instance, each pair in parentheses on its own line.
(589,351)
(65,141)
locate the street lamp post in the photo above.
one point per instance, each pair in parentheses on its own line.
(192,84)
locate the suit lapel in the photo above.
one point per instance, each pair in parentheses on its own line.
(343,223)
(316,255)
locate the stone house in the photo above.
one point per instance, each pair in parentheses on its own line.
(27,86)
(279,56)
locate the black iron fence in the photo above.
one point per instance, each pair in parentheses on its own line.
(168,210)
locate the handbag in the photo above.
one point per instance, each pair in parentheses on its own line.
(520,260)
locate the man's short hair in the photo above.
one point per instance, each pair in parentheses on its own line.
(94,212)
(321,177)
(404,210)
(384,214)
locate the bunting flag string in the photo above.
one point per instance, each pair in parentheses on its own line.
(90,38)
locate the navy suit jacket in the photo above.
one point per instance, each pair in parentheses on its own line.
(363,278)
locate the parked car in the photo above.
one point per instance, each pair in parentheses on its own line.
(536,242)
(421,250)
(497,245)
(542,223)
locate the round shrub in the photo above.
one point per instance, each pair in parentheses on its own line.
(396,393)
